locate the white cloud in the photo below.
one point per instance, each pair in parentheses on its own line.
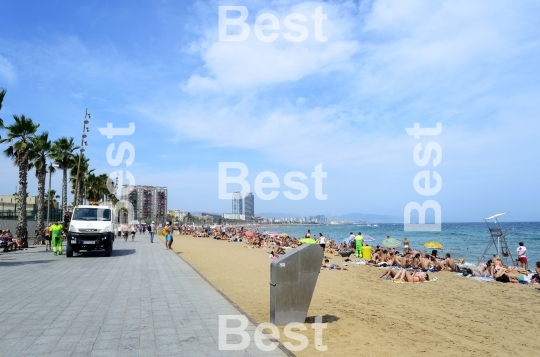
(229,66)
(7,70)
(407,62)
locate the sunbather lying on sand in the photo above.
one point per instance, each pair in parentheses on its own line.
(415,277)
(389,273)
(503,277)
(327,265)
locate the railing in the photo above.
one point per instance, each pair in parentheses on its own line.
(55,214)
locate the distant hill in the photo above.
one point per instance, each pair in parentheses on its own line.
(350,217)
(369,218)
(277,215)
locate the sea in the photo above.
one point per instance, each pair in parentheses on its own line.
(461,240)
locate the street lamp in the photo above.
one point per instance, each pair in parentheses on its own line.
(51,165)
(83,144)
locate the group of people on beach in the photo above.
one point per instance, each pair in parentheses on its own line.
(407,265)
(413,266)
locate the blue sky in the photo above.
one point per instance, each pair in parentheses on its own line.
(283,106)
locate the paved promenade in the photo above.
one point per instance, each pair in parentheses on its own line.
(142,301)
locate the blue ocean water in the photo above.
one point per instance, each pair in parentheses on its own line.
(461,240)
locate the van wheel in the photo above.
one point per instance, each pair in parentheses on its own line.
(108,249)
(69,251)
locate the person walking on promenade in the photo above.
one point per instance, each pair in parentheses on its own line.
(522,258)
(152,230)
(168,236)
(47,234)
(56,235)
(359,240)
(133,231)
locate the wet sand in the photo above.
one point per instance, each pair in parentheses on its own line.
(366,316)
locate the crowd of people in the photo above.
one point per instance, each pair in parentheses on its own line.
(412,265)
(406,265)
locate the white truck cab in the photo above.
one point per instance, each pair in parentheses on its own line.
(91,227)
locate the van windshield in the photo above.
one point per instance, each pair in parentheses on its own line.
(92,214)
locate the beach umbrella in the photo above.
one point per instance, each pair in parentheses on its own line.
(275,234)
(368,238)
(391,243)
(308,241)
(433,245)
(248,234)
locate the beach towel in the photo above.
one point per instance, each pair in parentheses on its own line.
(487,278)
(405,282)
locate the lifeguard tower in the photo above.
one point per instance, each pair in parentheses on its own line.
(498,239)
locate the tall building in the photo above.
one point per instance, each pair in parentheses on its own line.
(149,202)
(237,203)
(249,206)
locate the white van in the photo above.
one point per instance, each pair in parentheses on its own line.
(91,227)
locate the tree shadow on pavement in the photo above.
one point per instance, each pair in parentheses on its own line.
(4,263)
(101,253)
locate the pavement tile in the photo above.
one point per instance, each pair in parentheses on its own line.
(142,301)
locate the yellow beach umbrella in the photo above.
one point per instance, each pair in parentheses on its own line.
(433,245)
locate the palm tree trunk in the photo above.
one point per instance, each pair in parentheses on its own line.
(42,176)
(64,192)
(80,192)
(22,232)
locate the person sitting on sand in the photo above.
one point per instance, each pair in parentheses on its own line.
(450,264)
(535,279)
(278,249)
(384,256)
(415,264)
(391,259)
(425,263)
(495,266)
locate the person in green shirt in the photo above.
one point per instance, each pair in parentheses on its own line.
(359,240)
(56,237)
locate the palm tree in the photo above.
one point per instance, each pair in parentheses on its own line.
(62,153)
(2,94)
(96,187)
(82,172)
(20,136)
(38,159)
(51,196)
(188,217)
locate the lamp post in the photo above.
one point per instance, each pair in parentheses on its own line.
(51,165)
(83,144)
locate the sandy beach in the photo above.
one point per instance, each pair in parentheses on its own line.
(366,316)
